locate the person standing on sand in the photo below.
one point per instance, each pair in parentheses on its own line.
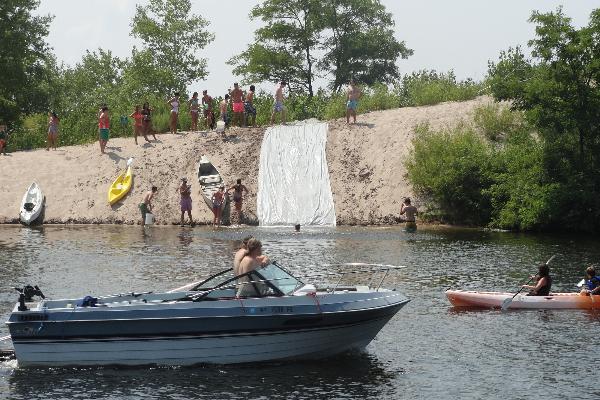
(223,108)
(209,113)
(353,94)
(194,110)
(278,107)
(52,130)
(3,138)
(146,204)
(174,103)
(103,128)
(147,121)
(249,107)
(411,215)
(185,191)
(138,127)
(218,199)
(237,97)
(238,197)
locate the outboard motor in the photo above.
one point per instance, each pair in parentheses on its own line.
(26,294)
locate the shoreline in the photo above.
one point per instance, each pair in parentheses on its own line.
(365,162)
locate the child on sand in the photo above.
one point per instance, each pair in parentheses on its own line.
(3,138)
(52,130)
(174,103)
(138,125)
(103,128)
(146,204)
(218,198)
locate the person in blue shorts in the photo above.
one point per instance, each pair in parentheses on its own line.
(353,94)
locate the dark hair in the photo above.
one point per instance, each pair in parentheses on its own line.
(195,94)
(235,84)
(104,108)
(205,91)
(154,188)
(283,83)
(252,88)
(146,105)
(176,94)
(407,200)
(543,270)
(54,114)
(246,240)
(239,181)
(226,96)
(297,227)
(591,271)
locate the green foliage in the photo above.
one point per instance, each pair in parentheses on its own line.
(496,122)
(423,88)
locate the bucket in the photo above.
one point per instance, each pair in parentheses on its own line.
(220,126)
(149,219)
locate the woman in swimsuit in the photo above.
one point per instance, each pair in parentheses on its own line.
(218,198)
(193,103)
(238,195)
(52,130)
(174,103)
(138,128)
(147,121)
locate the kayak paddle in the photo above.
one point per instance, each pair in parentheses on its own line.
(506,302)
(581,283)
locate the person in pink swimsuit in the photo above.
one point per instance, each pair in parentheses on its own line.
(237,98)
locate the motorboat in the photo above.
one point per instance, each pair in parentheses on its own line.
(121,185)
(555,301)
(278,317)
(32,205)
(210,181)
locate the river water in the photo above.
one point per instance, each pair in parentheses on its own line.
(428,350)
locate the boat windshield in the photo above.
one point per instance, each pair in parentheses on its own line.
(279,278)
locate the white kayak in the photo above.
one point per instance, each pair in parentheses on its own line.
(555,301)
(32,205)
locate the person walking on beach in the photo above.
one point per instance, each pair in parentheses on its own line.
(218,200)
(194,110)
(411,215)
(147,121)
(103,127)
(249,107)
(185,191)
(174,103)
(52,130)
(209,112)
(238,197)
(146,204)
(353,94)
(3,138)
(278,107)
(237,97)
(138,125)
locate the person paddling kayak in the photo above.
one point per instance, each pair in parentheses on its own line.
(543,282)
(592,282)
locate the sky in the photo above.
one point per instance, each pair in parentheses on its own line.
(459,35)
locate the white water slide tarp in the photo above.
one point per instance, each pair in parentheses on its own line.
(293,181)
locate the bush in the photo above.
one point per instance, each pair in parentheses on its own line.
(496,121)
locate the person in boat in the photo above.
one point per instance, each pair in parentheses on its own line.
(185,191)
(238,197)
(242,252)
(194,110)
(3,138)
(52,130)
(592,282)
(543,282)
(411,215)
(146,204)
(218,199)
(251,261)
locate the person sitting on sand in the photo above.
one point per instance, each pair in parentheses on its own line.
(411,215)
(218,200)
(138,124)
(543,282)
(278,107)
(146,204)
(52,130)
(147,121)
(209,113)
(251,261)
(592,282)
(3,138)
(237,98)
(103,128)
(249,107)
(238,196)
(185,191)
(194,110)
(174,104)
(353,94)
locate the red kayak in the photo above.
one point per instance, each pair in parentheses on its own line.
(555,301)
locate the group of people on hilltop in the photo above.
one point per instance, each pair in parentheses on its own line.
(219,198)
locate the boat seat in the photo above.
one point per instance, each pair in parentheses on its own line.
(210,179)
(28,206)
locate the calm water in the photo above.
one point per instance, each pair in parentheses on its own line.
(428,350)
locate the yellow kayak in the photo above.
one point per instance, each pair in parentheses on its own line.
(121,185)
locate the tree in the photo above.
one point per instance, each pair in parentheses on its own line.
(361,44)
(26,67)
(171,37)
(284,48)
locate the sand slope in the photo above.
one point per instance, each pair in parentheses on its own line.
(75,179)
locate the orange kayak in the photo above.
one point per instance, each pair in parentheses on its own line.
(555,301)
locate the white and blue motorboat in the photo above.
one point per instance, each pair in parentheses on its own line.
(205,322)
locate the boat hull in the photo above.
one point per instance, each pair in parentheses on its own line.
(210,180)
(120,186)
(556,301)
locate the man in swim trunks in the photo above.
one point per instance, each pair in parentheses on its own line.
(218,200)
(353,94)
(249,107)
(238,197)
(209,114)
(146,205)
(411,215)
(194,110)
(3,139)
(223,108)
(185,191)
(103,127)
(278,106)
(237,98)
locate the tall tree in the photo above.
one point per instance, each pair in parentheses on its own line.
(26,65)
(285,47)
(172,36)
(361,43)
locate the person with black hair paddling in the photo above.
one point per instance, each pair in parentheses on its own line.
(543,282)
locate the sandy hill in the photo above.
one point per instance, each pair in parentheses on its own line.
(365,165)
